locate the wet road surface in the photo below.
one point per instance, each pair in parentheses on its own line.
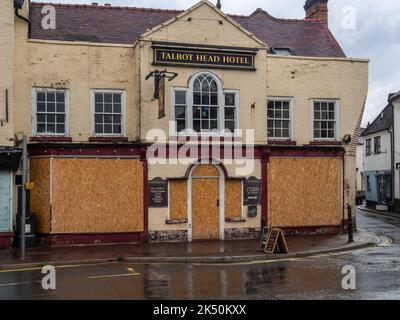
(378,276)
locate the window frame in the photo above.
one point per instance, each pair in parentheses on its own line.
(35,91)
(336,121)
(291,122)
(377,138)
(221,108)
(237,111)
(123,112)
(368,146)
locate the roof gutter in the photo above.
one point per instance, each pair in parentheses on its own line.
(29,22)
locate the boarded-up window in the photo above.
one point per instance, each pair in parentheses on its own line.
(304,192)
(233,199)
(178,199)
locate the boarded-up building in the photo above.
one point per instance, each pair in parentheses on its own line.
(162,125)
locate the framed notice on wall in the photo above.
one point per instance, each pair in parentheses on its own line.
(252,192)
(161,98)
(158,193)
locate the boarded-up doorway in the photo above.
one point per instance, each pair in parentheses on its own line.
(205,203)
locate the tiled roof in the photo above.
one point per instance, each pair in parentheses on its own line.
(383,122)
(124,25)
(394,96)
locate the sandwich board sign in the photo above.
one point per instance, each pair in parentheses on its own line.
(275,243)
(264,237)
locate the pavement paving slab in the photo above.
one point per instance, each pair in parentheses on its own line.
(196,252)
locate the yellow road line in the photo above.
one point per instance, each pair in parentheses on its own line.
(58,267)
(115,276)
(131,270)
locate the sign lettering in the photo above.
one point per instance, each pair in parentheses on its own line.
(210,58)
(158,193)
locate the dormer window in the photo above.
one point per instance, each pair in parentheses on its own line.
(287,52)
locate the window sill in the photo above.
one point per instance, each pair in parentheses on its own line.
(210,138)
(235,220)
(108,139)
(171,221)
(282,142)
(50,139)
(325,143)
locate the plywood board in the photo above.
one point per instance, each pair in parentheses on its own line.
(233,199)
(178,199)
(40,196)
(205,171)
(304,192)
(205,210)
(97,196)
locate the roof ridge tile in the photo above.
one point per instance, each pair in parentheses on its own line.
(91,6)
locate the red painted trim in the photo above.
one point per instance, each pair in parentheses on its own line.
(50,139)
(199,151)
(264,184)
(135,149)
(84,150)
(108,139)
(6,240)
(282,142)
(307,153)
(92,238)
(325,143)
(145,235)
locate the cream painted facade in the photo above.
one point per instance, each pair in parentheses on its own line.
(7,72)
(81,67)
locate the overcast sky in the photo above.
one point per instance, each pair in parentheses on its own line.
(373,32)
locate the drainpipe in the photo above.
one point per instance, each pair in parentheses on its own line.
(16,10)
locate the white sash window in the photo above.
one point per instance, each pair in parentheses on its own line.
(205,107)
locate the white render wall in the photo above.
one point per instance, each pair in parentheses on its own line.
(396,105)
(360,165)
(378,162)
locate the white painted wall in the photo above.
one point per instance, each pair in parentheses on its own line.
(360,164)
(378,162)
(396,105)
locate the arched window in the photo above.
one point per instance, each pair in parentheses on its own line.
(205,104)
(205,107)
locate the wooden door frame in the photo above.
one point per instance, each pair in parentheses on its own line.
(221,200)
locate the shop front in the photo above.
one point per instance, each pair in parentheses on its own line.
(9,163)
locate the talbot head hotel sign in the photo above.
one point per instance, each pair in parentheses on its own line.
(198,57)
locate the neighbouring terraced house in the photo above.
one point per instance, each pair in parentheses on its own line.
(94,87)
(381,157)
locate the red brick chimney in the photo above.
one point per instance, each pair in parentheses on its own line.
(317,9)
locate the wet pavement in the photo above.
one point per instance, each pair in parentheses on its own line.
(247,248)
(378,276)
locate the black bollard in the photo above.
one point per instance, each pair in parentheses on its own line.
(350,224)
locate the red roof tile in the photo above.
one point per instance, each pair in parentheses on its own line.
(125,24)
